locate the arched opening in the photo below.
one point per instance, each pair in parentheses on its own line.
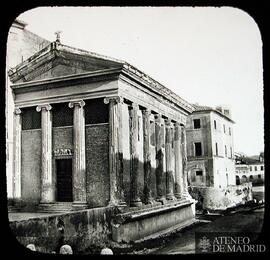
(237,180)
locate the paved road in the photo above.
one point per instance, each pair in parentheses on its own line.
(184,242)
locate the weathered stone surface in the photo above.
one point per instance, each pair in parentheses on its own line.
(211,198)
(66,250)
(97,166)
(31,165)
(80,230)
(152,222)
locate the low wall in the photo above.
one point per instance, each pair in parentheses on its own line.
(80,230)
(211,198)
(134,226)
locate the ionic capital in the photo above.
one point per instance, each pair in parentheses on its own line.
(116,99)
(158,118)
(146,112)
(46,107)
(168,123)
(79,103)
(17,111)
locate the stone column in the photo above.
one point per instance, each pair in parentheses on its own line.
(17,153)
(185,193)
(160,174)
(178,161)
(135,200)
(47,189)
(79,161)
(116,150)
(147,157)
(169,170)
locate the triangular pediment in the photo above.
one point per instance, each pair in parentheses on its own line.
(58,60)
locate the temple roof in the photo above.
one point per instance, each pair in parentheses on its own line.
(81,62)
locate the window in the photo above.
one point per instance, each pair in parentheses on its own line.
(199,173)
(255,168)
(198,149)
(215,124)
(261,168)
(236,171)
(31,119)
(224,129)
(197,123)
(259,176)
(225,151)
(231,152)
(250,168)
(251,177)
(230,133)
(62,115)
(216,149)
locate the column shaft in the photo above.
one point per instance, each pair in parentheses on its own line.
(169,170)
(178,162)
(47,189)
(115,151)
(160,174)
(17,154)
(135,200)
(185,193)
(147,157)
(79,161)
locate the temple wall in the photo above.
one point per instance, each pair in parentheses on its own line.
(31,165)
(97,165)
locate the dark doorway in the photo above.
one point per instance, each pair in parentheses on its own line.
(64,180)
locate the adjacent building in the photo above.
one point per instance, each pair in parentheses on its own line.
(210,147)
(249,169)
(21,45)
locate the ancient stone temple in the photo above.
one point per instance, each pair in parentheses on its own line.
(92,131)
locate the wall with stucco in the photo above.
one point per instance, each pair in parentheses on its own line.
(81,230)
(31,165)
(97,164)
(212,198)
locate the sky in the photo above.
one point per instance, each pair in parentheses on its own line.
(207,55)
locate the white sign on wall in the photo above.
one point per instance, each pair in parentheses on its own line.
(61,152)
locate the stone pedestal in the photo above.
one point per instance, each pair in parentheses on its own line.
(17,154)
(79,162)
(47,189)
(160,173)
(135,200)
(115,151)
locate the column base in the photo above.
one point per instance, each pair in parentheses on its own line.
(186,195)
(150,201)
(79,205)
(170,197)
(136,203)
(177,196)
(162,200)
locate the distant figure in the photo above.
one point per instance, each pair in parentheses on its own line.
(66,250)
(31,247)
(106,251)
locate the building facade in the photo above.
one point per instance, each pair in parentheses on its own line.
(210,147)
(21,44)
(93,131)
(249,170)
